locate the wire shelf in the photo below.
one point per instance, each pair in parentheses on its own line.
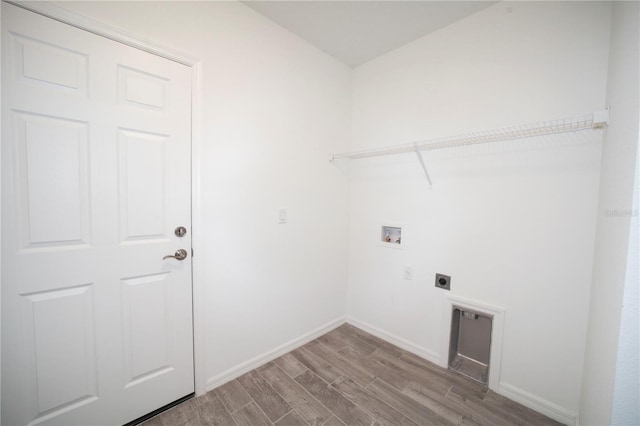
(543,128)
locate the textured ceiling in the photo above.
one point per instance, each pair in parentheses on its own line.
(355,32)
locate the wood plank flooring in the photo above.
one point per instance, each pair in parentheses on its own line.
(349,377)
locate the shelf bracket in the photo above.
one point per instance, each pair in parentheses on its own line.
(424,167)
(601,118)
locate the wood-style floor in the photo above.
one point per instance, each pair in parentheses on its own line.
(349,377)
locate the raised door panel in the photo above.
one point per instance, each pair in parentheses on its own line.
(143,185)
(147,330)
(60,345)
(141,89)
(51,181)
(43,64)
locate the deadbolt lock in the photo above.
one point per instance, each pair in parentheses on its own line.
(180,231)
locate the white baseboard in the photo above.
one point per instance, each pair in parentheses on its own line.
(422,352)
(538,404)
(239,370)
(527,399)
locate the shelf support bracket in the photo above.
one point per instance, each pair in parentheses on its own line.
(601,118)
(424,167)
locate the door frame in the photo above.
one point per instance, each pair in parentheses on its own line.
(65,16)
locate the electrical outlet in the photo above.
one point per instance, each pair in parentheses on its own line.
(282,216)
(408,272)
(443,281)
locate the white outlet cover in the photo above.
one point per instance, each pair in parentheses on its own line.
(282,215)
(408,272)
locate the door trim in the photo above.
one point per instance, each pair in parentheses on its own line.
(65,16)
(58,13)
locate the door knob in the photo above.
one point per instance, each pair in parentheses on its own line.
(180,254)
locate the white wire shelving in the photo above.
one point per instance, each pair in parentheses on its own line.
(592,121)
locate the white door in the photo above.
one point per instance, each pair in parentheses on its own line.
(96,326)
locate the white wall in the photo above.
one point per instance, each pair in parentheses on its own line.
(615,213)
(0,240)
(512,223)
(273,110)
(626,395)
